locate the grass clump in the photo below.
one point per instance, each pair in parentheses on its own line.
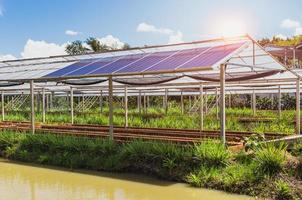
(212,153)
(269,159)
(283,190)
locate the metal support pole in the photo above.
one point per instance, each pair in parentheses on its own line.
(139,101)
(279,102)
(298,107)
(32,101)
(71,105)
(217,103)
(145,103)
(43,105)
(51,100)
(294,57)
(101,101)
(182,102)
(126,106)
(201,108)
(166,101)
(38,102)
(206,102)
(83,103)
(2,105)
(222,103)
(110,97)
(254,103)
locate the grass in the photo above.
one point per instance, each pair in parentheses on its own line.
(206,164)
(270,158)
(156,118)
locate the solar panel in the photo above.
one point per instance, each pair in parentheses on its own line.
(212,56)
(147,62)
(70,68)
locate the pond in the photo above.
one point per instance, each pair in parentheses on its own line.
(27,182)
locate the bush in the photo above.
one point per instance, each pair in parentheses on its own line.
(283,191)
(269,159)
(212,153)
(297,148)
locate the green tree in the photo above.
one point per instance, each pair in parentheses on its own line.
(76,48)
(96,45)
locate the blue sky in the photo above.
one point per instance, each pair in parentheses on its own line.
(25,23)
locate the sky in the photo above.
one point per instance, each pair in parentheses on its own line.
(35,28)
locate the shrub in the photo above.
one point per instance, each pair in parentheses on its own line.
(212,153)
(283,191)
(204,177)
(297,148)
(269,159)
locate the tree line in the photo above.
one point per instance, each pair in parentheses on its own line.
(289,41)
(90,45)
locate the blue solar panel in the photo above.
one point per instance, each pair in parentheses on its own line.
(177,59)
(146,62)
(158,61)
(70,68)
(92,66)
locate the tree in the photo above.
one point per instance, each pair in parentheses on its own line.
(96,45)
(126,46)
(76,48)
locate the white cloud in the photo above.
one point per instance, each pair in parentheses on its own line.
(71,32)
(7,57)
(144,27)
(176,38)
(42,48)
(280,36)
(298,31)
(289,23)
(111,41)
(292,24)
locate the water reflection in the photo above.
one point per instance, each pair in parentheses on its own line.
(25,182)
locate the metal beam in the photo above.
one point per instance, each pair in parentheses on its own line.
(166,101)
(298,131)
(139,101)
(110,98)
(182,102)
(126,106)
(254,103)
(101,101)
(217,103)
(32,102)
(43,105)
(71,105)
(2,105)
(201,108)
(222,103)
(279,101)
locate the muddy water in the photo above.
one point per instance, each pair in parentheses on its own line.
(18,181)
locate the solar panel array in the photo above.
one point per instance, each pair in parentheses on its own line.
(149,62)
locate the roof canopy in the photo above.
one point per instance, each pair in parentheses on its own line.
(182,64)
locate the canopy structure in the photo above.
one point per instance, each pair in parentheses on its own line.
(229,64)
(287,52)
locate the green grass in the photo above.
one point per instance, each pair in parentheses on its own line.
(156,118)
(206,164)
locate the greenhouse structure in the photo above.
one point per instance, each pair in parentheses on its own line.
(216,68)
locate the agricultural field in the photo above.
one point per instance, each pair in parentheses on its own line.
(237,119)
